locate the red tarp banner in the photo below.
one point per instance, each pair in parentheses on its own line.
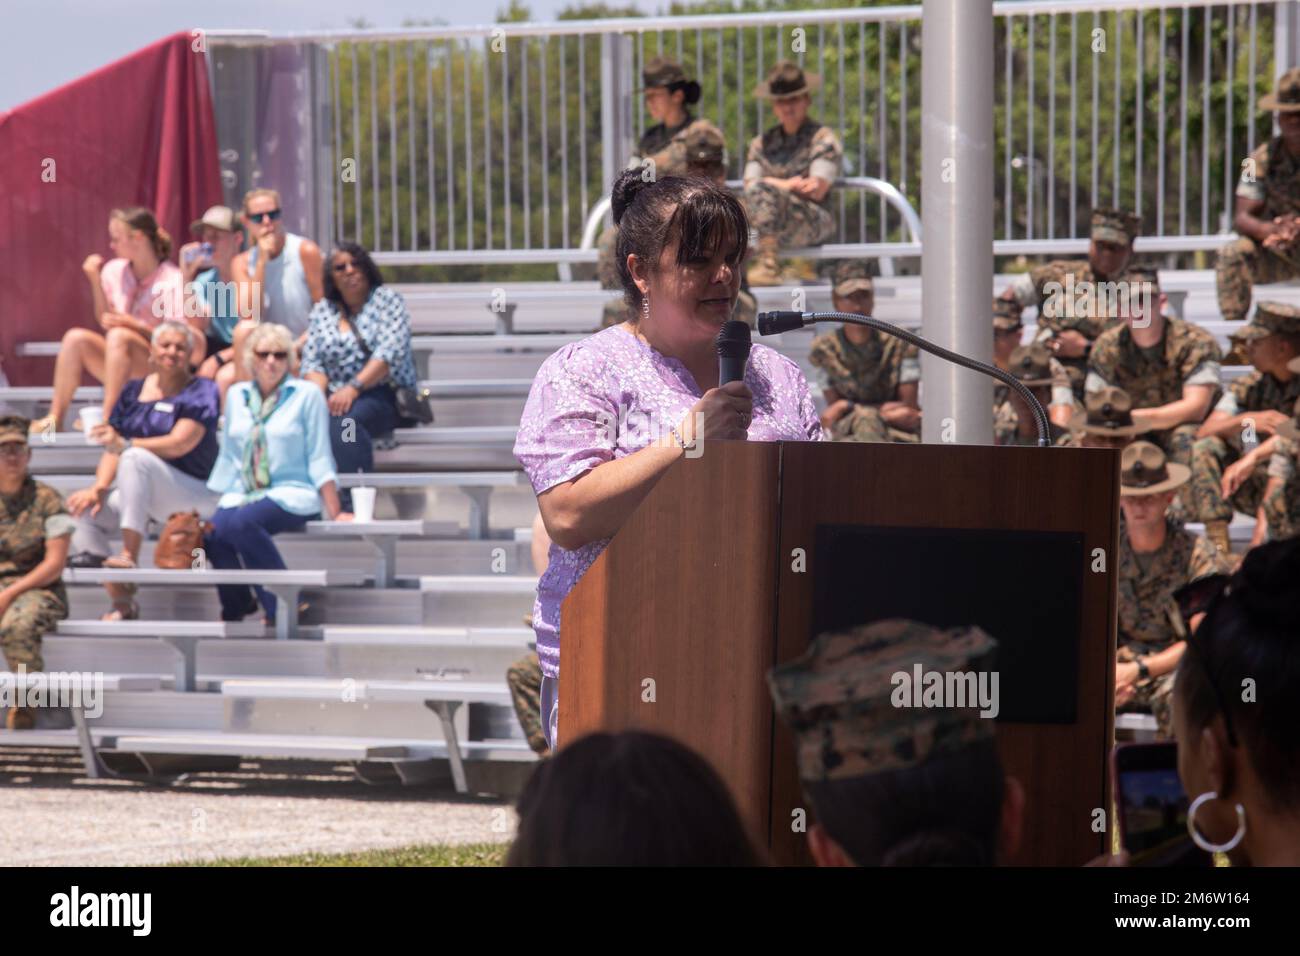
(138,132)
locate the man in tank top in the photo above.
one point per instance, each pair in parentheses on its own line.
(280,277)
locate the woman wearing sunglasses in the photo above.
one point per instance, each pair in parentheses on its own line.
(279,278)
(358,353)
(275,471)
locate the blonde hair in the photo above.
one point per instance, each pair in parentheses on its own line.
(260,191)
(141,219)
(278,336)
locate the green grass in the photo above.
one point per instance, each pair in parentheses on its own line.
(474,854)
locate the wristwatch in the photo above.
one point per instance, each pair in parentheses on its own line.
(1143,672)
(355,382)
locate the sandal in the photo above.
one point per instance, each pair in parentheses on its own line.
(123,611)
(121,561)
(39,425)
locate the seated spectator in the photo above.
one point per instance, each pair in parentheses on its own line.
(1105,422)
(1008,329)
(207,265)
(868,378)
(1073,306)
(629,799)
(891,785)
(1252,406)
(160,444)
(1238,753)
(1157,556)
(358,353)
(274,470)
(131,294)
(1013,421)
(34,532)
(1170,368)
(279,279)
(789,172)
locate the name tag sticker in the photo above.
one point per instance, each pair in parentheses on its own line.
(164,406)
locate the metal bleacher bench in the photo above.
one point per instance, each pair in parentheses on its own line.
(285,585)
(476,485)
(180,636)
(84,739)
(381,535)
(442,697)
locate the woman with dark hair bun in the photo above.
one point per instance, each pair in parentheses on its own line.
(608,415)
(358,352)
(1237,713)
(629,799)
(668,94)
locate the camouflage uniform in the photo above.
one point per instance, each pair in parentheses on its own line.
(28,519)
(839,698)
(525,681)
(1270,175)
(669,149)
(1255,392)
(1187,355)
(1036,369)
(1282,504)
(1089,317)
(1149,618)
(868,375)
(813,150)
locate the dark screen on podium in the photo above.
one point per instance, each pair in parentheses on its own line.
(1022,587)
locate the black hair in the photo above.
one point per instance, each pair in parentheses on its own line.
(690,91)
(362,258)
(629,799)
(1251,631)
(944,812)
(697,214)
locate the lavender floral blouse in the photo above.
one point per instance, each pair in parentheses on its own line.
(610,395)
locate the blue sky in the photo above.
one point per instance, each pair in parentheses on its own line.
(45,43)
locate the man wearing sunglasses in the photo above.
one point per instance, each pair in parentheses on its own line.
(279,276)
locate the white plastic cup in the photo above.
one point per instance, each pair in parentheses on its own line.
(363,504)
(92,417)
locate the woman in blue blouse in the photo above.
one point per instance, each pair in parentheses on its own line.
(358,352)
(159,446)
(275,468)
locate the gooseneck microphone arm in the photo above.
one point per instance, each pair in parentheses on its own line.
(772,323)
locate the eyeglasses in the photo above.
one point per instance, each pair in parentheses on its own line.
(13,449)
(341,267)
(278,356)
(259,217)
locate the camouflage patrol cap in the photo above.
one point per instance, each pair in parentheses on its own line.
(1144,470)
(1006,314)
(1032,364)
(850,276)
(1270,317)
(705,146)
(660,71)
(1115,225)
(1285,97)
(14,428)
(852,716)
(1108,411)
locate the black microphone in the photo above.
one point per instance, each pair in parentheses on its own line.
(733,351)
(771,323)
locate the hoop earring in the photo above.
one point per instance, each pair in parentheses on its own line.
(1205,844)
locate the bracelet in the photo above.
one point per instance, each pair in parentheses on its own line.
(681,444)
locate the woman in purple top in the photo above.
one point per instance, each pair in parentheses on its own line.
(607,416)
(160,443)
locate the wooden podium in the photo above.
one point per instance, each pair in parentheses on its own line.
(738,557)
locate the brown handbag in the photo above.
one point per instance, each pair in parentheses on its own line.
(181,536)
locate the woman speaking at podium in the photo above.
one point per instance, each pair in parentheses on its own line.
(608,415)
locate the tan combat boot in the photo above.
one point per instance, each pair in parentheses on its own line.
(1217,532)
(765,270)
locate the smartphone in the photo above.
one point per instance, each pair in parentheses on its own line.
(1152,807)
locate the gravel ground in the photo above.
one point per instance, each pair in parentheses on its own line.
(52,815)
